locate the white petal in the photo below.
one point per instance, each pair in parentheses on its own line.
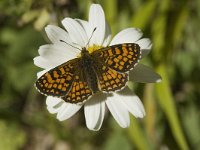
(64,110)
(67,111)
(107,36)
(143,74)
(85,25)
(52,110)
(131,102)
(57,53)
(119,112)
(145,52)
(55,34)
(76,31)
(97,20)
(40,73)
(95,111)
(56,109)
(54,104)
(52,101)
(129,35)
(43,63)
(144,43)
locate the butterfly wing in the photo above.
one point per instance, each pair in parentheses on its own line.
(121,57)
(80,90)
(58,81)
(110,80)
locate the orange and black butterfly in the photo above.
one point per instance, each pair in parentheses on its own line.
(103,70)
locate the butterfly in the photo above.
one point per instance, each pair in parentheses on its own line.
(104,70)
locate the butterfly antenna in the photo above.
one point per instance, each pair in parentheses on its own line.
(70,45)
(91,36)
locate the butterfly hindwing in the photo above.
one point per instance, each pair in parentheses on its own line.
(121,57)
(110,80)
(80,90)
(57,81)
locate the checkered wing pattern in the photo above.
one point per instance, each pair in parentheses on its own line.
(121,57)
(109,79)
(79,91)
(58,81)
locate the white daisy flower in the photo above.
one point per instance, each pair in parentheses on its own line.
(77,33)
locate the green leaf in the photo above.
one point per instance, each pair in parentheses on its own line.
(151,112)
(141,18)
(159,28)
(179,24)
(117,140)
(166,101)
(190,118)
(12,136)
(137,135)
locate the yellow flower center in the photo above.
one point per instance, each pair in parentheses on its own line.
(94,48)
(91,49)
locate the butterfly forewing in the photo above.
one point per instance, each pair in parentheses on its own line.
(58,81)
(121,57)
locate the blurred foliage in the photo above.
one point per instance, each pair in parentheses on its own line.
(172,107)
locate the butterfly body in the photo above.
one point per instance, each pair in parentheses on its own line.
(87,65)
(103,70)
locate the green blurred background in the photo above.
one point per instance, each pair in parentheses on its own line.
(172,106)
